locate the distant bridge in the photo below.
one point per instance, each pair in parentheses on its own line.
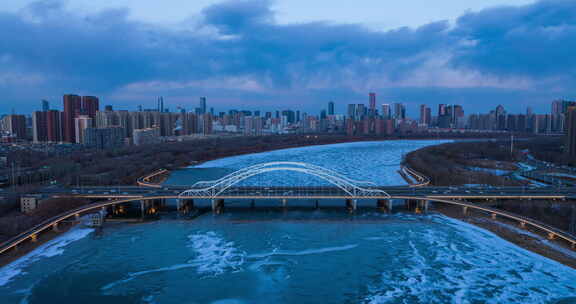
(341,187)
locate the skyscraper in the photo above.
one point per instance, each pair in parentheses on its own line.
(331,108)
(571,132)
(39,126)
(202,105)
(386,111)
(360,111)
(352,111)
(81,123)
(399,111)
(15,125)
(72,108)
(54,125)
(372,104)
(90,105)
(441,110)
(424,112)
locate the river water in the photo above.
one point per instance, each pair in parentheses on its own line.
(300,255)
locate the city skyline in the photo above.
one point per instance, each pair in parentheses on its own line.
(83,122)
(243,55)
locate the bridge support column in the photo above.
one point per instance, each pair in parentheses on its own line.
(465,211)
(385,205)
(493,215)
(317,204)
(217,205)
(423,206)
(77,216)
(551,236)
(185,205)
(253,204)
(284,203)
(55,227)
(34,238)
(523,225)
(572,228)
(351,204)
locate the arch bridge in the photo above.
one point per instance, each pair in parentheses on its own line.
(342,188)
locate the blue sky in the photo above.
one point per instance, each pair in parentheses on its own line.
(260,54)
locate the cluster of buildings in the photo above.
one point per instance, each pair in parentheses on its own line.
(82,121)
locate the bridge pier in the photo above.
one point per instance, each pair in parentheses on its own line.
(185,205)
(317,204)
(284,203)
(423,206)
(465,210)
(351,204)
(384,205)
(146,208)
(412,205)
(217,206)
(55,227)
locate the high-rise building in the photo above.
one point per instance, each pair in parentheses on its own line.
(457,116)
(72,108)
(423,114)
(290,116)
(81,123)
(207,123)
(360,111)
(331,108)
(399,111)
(54,126)
(441,110)
(352,111)
(202,105)
(161,104)
(108,108)
(15,125)
(571,132)
(104,138)
(146,136)
(372,104)
(90,105)
(40,126)
(386,111)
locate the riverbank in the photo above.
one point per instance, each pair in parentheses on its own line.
(29,246)
(529,239)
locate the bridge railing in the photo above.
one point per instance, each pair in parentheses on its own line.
(421,179)
(144,181)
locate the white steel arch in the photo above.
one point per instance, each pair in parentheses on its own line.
(352,187)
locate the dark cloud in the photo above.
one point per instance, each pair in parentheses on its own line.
(534,40)
(106,51)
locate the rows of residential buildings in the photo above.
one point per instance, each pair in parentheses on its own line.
(82,121)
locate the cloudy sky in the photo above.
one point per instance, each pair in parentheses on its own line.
(265,54)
